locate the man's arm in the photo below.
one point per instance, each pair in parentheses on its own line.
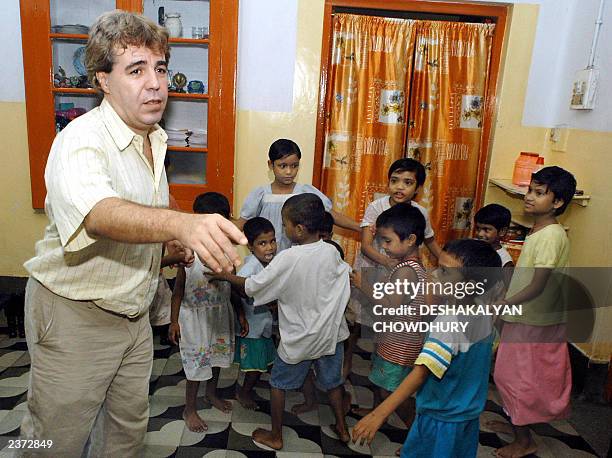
(210,236)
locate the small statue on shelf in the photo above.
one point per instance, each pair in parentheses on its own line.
(179,81)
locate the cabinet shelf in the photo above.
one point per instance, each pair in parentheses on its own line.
(527,221)
(515,190)
(68,36)
(74,90)
(187,149)
(189,41)
(187,95)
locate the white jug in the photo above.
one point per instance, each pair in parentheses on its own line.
(174,25)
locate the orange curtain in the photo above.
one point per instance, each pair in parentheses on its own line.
(449,81)
(366,96)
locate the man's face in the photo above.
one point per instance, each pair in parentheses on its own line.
(137,87)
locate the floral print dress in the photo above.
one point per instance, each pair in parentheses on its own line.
(206,319)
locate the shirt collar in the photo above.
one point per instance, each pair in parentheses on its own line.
(121,134)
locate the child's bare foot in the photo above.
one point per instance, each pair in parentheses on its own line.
(500,427)
(517,449)
(265,437)
(343,436)
(246,400)
(194,422)
(222,404)
(303,407)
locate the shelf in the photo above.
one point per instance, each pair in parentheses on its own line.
(527,221)
(68,36)
(189,41)
(187,149)
(74,90)
(515,190)
(187,95)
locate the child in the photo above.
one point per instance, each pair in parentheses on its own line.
(401,231)
(406,176)
(532,369)
(267,201)
(255,351)
(492,222)
(311,284)
(450,375)
(327,226)
(205,324)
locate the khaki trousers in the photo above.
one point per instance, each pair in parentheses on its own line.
(88,365)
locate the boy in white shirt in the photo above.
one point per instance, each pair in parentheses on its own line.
(311,284)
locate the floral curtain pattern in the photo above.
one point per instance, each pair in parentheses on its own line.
(365,131)
(384,70)
(448,85)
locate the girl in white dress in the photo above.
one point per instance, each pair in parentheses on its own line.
(203,319)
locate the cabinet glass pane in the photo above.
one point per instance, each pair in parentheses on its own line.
(69,64)
(186,168)
(191,61)
(194,13)
(186,123)
(69,107)
(67,14)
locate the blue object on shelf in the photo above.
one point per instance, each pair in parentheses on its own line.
(78,60)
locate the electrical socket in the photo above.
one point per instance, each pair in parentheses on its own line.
(558,136)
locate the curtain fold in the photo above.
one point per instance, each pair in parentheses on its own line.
(366,109)
(384,70)
(448,86)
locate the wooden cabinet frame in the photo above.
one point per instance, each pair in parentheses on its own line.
(40,104)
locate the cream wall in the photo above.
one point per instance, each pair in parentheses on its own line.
(20,226)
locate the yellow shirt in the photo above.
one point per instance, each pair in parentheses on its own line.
(547,248)
(98,156)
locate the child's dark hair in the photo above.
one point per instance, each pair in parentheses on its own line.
(407,164)
(405,220)
(558,181)
(254,227)
(338,247)
(496,215)
(306,209)
(283,147)
(212,202)
(327,223)
(480,262)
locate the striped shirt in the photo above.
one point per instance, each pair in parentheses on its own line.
(97,156)
(404,347)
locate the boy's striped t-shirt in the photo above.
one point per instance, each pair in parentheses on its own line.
(404,347)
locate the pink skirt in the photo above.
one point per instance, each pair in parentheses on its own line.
(533,373)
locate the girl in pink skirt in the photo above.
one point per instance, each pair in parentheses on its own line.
(532,370)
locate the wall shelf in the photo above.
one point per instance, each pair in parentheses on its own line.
(515,190)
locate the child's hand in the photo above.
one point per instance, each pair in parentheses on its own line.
(174,333)
(244,325)
(365,430)
(214,276)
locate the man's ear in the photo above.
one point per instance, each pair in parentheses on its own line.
(102,79)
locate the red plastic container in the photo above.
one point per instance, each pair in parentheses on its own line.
(524,166)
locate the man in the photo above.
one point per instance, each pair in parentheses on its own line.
(95,272)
